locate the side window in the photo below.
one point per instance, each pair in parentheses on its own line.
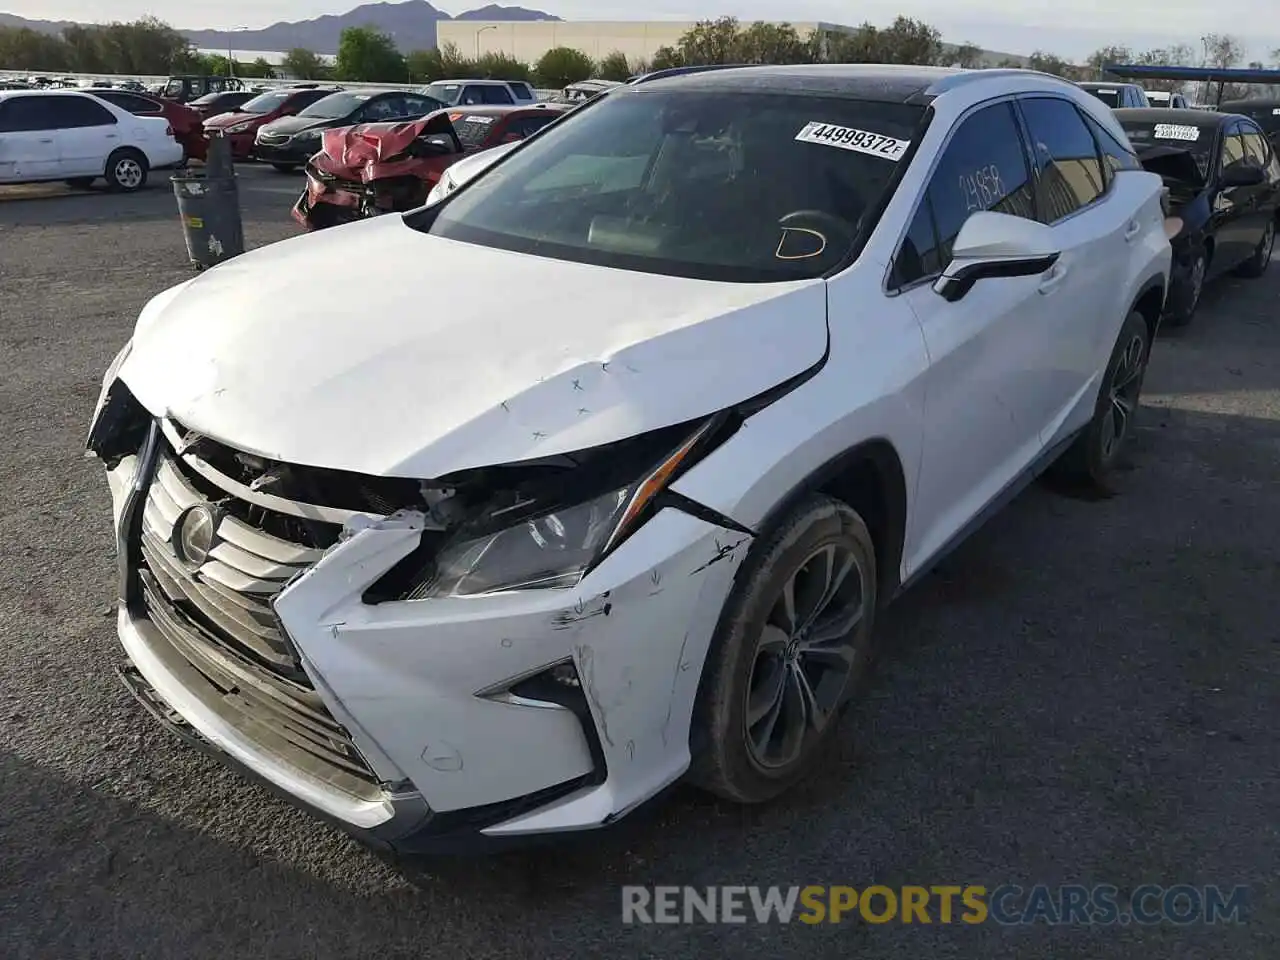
(135,105)
(415,106)
(23,114)
(72,112)
(1255,145)
(1067,164)
(528,126)
(1115,155)
(984,167)
(522,91)
(384,108)
(492,93)
(1232,150)
(174,88)
(471,97)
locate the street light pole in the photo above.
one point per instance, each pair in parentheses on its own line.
(490,26)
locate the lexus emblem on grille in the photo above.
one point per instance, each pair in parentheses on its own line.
(195,534)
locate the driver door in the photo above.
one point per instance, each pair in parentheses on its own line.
(1229,208)
(987,390)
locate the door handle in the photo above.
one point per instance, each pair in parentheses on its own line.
(1053,279)
(1132,230)
(113,136)
(49,140)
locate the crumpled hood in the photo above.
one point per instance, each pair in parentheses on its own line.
(354,147)
(381,350)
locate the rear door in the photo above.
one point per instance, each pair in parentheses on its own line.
(87,133)
(1262,206)
(1081,306)
(28,140)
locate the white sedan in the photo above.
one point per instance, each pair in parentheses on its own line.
(605,474)
(76,137)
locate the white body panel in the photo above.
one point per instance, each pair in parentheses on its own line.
(72,152)
(493,383)
(966,395)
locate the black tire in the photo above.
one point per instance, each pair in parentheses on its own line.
(286,167)
(80,183)
(729,760)
(1181,317)
(126,170)
(1256,265)
(1090,462)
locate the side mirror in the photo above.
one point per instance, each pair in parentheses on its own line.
(1241,174)
(993,245)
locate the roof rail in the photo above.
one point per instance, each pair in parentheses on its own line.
(965,77)
(681,71)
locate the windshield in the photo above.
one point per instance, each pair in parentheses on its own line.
(334,106)
(267,102)
(446,93)
(1198,141)
(708,184)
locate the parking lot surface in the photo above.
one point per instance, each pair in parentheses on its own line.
(1087,691)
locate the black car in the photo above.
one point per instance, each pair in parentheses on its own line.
(289,142)
(1117,95)
(1264,112)
(1223,179)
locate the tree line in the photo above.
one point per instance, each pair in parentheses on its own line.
(150,47)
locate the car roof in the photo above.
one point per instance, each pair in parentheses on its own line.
(502,109)
(1105,84)
(885,82)
(1204,119)
(1250,103)
(486,80)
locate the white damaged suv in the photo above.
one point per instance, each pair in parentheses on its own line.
(600,475)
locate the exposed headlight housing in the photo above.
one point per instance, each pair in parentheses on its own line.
(541,540)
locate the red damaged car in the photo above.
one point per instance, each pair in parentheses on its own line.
(240,125)
(377,168)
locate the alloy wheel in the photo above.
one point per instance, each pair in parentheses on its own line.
(804,657)
(1268,243)
(1198,270)
(1126,382)
(128,173)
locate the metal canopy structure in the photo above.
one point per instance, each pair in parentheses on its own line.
(1219,75)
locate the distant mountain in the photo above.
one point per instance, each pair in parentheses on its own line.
(411,24)
(495,11)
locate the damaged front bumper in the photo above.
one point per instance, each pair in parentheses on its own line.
(420,725)
(327,202)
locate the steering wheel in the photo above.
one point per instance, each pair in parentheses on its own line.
(818,224)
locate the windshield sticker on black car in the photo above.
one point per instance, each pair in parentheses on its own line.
(1176,131)
(848,138)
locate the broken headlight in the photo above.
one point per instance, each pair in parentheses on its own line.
(540,547)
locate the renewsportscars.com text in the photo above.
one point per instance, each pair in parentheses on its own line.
(1008,904)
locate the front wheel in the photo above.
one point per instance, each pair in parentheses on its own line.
(791,646)
(1092,459)
(1181,315)
(1256,265)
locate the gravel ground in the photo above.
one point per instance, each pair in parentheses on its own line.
(1087,691)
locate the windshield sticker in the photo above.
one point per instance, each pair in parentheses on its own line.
(1176,131)
(1110,93)
(1276,112)
(847,138)
(477,119)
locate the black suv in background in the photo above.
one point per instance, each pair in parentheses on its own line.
(1116,95)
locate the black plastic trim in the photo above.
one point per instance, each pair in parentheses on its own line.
(954,286)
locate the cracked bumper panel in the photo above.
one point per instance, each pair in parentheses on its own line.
(408,674)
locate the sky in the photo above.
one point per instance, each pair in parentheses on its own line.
(1068,28)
